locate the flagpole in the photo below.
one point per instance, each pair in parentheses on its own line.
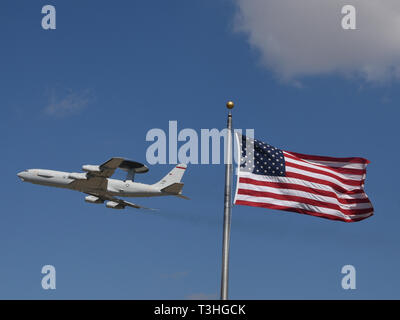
(227,207)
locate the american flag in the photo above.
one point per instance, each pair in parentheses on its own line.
(326,187)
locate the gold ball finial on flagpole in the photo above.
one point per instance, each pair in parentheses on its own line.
(230,105)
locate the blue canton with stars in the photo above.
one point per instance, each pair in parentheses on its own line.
(267,160)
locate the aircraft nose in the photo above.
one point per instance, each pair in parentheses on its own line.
(21,175)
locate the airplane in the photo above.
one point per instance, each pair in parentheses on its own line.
(96,182)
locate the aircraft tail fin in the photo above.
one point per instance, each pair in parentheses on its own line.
(175,189)
(171,183)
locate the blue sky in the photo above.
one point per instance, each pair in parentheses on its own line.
(110,72)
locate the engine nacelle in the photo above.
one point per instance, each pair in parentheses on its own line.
(93,199)
(77,176)
(114,205)
(91,168)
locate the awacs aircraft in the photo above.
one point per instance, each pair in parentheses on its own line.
(96,182)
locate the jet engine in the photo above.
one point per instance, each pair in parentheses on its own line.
(77,176)
(114,205)
(91,168)
(93,199)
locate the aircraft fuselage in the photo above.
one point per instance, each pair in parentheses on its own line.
(81,182)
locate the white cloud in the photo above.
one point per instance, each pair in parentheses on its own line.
(69,103)
(298,38)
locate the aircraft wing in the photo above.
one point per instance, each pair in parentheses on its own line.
(119,201)
(107,168)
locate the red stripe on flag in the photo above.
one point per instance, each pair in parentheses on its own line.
(298,187)
(302,211)
(345,181)
(320,181)
(321,204)
(330,159)
(336,169)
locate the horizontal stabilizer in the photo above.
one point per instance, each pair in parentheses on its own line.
(182,196)
(174,188)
